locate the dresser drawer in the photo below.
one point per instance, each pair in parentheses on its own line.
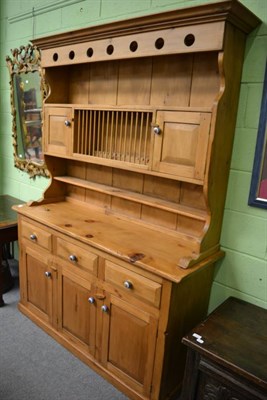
(36,235)
(76,255)
(133,283)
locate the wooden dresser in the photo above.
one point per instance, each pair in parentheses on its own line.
(116,259)
(227,354)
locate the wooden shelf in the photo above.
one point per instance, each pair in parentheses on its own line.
(128,107)
(189,212)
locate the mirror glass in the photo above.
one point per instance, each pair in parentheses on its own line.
(28,90)
(28,104)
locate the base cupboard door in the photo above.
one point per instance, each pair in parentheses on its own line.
(129,340)
(77,310)
(38,282)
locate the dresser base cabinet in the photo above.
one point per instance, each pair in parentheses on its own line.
(226,355)
(118,318)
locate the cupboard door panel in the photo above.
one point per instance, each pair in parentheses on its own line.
(77,314)
(129,339)
(181,146)
(37,279)
(38,286)
(74,304)
(58,130)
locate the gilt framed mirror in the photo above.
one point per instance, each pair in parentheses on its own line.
(258,188)
(27,92)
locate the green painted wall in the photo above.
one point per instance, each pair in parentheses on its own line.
(243,272)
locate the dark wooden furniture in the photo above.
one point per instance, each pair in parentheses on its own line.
(8,233)
(227,354)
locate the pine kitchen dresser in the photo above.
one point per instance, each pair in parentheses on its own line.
(116,259)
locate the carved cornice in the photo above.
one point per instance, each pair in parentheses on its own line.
(226,10)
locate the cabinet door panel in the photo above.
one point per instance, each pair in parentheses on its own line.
(129,339)
(181,147)
(37,278)
(77,314)
(37,284)
(58,130)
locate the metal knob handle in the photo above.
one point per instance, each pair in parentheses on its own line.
(91,300)
(128,285)
(67,122)
(156,130)
(104,308)
(48,274)
(73,258)
(33,237)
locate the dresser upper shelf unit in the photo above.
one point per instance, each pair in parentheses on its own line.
(146,108)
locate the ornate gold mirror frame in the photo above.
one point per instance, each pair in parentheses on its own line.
(27,92)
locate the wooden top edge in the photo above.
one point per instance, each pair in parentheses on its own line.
(225,10)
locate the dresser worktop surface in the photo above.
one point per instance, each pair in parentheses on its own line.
(151,249)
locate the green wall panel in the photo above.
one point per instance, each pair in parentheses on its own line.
(114,9)
(254,71)
(243,273)
(237,200)
(81,14)
(243,150)
(221,292)
(244,233)
(253,106)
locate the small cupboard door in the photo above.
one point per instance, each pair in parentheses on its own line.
(180,147)
(77,311)
(58,130)
(128,343)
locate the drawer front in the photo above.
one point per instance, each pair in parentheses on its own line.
(76,255)
(36,235)
(133,283)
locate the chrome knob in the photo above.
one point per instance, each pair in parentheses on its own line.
(104,308)
(73,258)
(48,274)
(33,237)
(67,122)
(156,130)
(91,300)
(128,285)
